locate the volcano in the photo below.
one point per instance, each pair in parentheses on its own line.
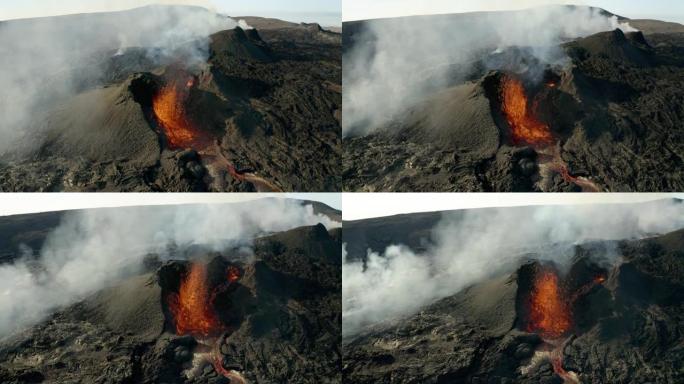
(200,317)
(534,321)
(230,110)
(503,120)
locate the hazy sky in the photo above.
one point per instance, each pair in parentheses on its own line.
(18,203)
(357,206)
(325,12)
(668,10)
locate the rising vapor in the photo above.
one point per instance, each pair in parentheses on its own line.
(45,60)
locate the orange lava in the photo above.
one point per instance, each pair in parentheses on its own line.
(192,307)
(586,288)
(233,274)
(525,128)
(556,163)
(557,364)
(168,106)
(549,312)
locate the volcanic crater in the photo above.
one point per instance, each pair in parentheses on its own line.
(594,320)
(207,317)
(250,116)
(592,122)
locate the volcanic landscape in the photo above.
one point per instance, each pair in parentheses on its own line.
(197,315)
(606,115)
(584,320)
(136,103)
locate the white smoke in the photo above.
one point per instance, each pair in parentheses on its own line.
(45,60)
(243,24)
(408,58)
(472,245)
(92,249)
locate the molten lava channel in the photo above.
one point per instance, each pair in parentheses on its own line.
(193,314)
(525,128)
(549,315)
(169,108)
(192,307)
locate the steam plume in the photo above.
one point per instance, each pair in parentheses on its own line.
(46,60)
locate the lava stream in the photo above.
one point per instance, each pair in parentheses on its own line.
(193,313)
(525,128)
(586,288)
(217,361)
(550,316)
(555,163)
(215,159)
(551,351)
(549,312)
(208,351)
(169,108)
(192,309)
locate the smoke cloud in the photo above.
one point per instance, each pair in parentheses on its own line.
(46,60)
(469,246)
(94,248)
(402,60)
(243,24)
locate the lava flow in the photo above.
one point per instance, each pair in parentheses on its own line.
(525,128)
(194,314)
(550,316)
(192,309)
(169,108)
(551,351)
(554,162)
(214,157)
(549,313)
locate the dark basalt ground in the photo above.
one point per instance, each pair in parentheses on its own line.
(283,313)
(271,99)
(617,113)
(627,329)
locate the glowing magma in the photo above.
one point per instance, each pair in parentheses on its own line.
(192,307)
(549,313)
(169,108)
(524,125)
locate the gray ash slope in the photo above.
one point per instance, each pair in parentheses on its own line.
(617,113)
(284,317)
(626,329)
(270,105)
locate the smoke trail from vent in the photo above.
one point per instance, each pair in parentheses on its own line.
(92,249)
(243,24)
(469,246)
(46,60)
(397,62)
